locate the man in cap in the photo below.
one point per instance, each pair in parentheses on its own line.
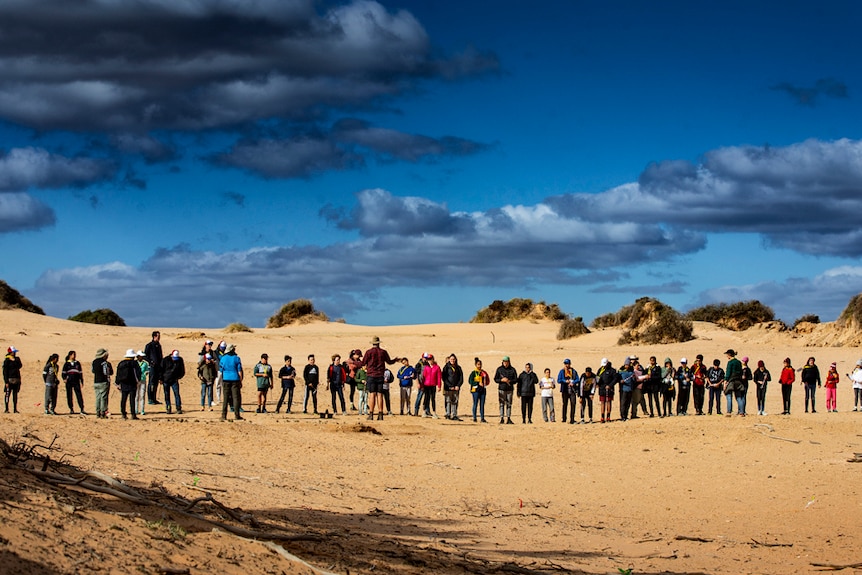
(230,368)
(374,361)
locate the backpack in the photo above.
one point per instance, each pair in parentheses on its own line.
(126,372)
(387,376)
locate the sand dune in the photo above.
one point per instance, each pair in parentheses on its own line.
(412,495)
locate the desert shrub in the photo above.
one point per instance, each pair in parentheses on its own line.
(517,308)
(737,316)
(807,318)
(10,298)
(100,316)
(237,327)
(615,319)
(666,326)
(852,314)
(301,310)
(572,327)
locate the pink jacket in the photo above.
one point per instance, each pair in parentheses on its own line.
(433,376)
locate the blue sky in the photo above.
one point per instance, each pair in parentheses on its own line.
(201,162)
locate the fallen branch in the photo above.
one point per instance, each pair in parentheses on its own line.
(761,544)
(781,438)
(832,567)
(696,539)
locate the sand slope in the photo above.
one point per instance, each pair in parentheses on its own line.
(413,495)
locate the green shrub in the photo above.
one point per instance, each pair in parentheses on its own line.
(572,327)
(737,316)
(807,318)
(518,308)
(99,316)
(852,314)
(301,310)
(10,298)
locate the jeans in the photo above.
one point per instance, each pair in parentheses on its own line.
(699,392)
(141,397)
(810,388)
(363,401)
(857,397)
(527,408)
(625,404)
(548,408)
(505,398)
(785,397)
(715,396)
(175,387)
(741,400)
(206,394)
(129,395)
(564,396)
(288,391)
(588,403)
(682,401)
(420,395)
(479,401)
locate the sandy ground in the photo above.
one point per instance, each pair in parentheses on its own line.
(690,494)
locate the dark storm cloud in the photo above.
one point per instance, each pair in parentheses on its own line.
(344,148)
(809,96)
(93,64)
(27,168)
(151,149)
(20,211)
(804,197)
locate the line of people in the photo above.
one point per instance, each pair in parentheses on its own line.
(650,389)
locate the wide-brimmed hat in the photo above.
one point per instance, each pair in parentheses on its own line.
(101,353)
(130,353)
(375,340)
(231,347)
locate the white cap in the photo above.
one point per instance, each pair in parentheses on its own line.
(683,360)
(604,361)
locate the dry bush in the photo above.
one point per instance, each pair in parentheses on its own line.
(648,321)
(614,319)
(852,314)
(298,310)
(517,309)
(572,327)
(102,316)
(10,298)
(807,318)
(237,328)
(737,316)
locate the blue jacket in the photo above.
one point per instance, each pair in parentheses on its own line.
(564,385)
(230,365)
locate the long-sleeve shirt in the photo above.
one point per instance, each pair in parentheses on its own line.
(433,376)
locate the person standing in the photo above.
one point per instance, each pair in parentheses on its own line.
(586,390)
(547,385)
(263,375)
(654,388)
(811,380)
(786,379)
(607,381)
(698,387)
(141,394)
(733,376)
(218,388)
(453,379)
(432,383)
(311,377)
(354,362)
(336,377)
(762,377)
(506,378)
(527,382)
(683,379)
(375,361)
(715,377)
(11,378)
(287,375)
(627,385)
(566,379)
(153,353)
(420,382)
(230,368)
(406,375)
(73,377)
(102,372)
(668,391)
(640,379)
(51,377)
(856,377)
(173,370)
(207,374)
(128,376)
(479,382)
(832,388)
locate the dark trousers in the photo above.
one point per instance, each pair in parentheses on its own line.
(388,400)
(430,399)
(74,389)
(175,387)
(637,399)
(587,402)
(785,397)
(699,392)
(50,398)
(666,403)
(761,397)
(233,390)
(654,398)
(288,391)
(128,394)
(625,404)
(715,395)
(682,401)
(153,386)
(809,394)
(527,409)
(337,393)
(352,385)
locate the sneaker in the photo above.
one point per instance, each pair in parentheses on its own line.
(179,411)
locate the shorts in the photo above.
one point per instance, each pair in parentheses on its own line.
(605,398)
(374,384)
